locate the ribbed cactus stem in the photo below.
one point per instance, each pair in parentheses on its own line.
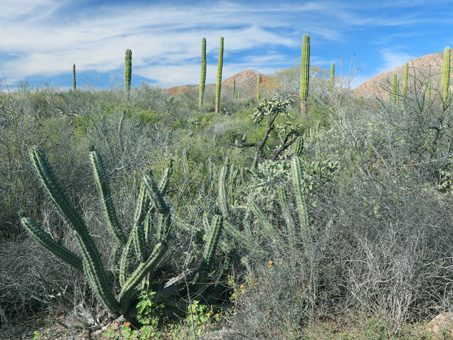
(127,72)
(395,89)
(234,87)
(106,197)
(202,73)
(428,91)
(46,240)
(445,83)
(299,146)
(219,77)
(332,76)
(74,84)
(405,79)
(258,94)
(305,75)
(213,239)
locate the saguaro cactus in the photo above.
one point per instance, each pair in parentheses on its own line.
(128,72)
(203,73)
(428,91)
(219,77)
(258,94)
(395,89)
(234,87)
(305,75)
(445,84)
(332,76)
(405,79)
(74,85)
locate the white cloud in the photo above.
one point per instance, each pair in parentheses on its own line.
(393,60)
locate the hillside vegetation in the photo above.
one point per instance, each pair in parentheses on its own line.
(335,224)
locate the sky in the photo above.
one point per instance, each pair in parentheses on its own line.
(40,40)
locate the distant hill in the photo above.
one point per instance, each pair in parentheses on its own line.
(420,69)
(245,84)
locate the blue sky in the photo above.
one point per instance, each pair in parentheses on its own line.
(40,40)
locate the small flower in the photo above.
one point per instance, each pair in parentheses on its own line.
(243,291)
(233,295)
(208,315)
(128,324)
(242,286)
(270,262)
(217,315)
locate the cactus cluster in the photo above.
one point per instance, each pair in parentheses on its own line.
(142,248)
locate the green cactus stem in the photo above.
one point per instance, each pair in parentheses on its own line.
(74,84)
(305,75)
(332,76)
(128,72)
(445,83)
(428,91)
(258,94)
(405,79)
(202,73)
(299,146)
(106,197)
(219,77)
(234,87)
(395,89)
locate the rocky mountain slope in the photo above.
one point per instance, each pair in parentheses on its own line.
(420,69)
(245,84)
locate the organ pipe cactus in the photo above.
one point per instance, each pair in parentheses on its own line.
(74,85)
(127,72)
(445,82)
(148,251)
(203,73)
(405,79)
(219,77)
(305,75)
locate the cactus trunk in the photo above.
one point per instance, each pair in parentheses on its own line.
(74,85)
(445,84)
(219,77)
(127,72)
(203,73)
(305,75)
(395,91)
(405,79)
(332,76)
(258,94)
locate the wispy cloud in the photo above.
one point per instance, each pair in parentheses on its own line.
(392,59)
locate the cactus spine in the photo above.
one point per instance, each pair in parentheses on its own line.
(405,79)
(219,77)
(203,73)
(74,85)
(128,72)
(445,84)
(305,75)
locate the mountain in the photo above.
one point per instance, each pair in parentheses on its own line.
(420,69)
(245,84)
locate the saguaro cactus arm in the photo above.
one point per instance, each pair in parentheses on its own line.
(445,82)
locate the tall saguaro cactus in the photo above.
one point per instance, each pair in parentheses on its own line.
(219,77)
(405,79)
(258,93)
(305,75)
(127,72)
(74,85)
(332,76)
(445,84)
(395,89)
(202,73)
